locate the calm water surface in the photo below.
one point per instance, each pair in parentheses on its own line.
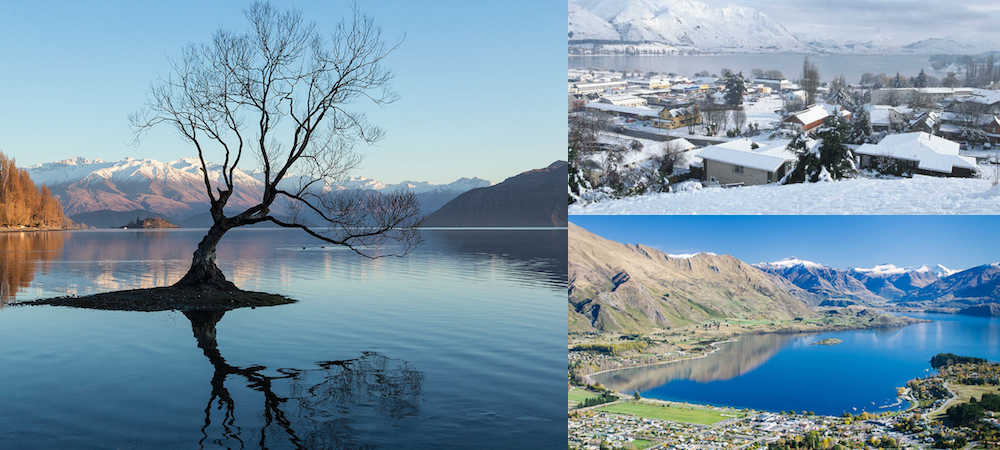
(790,64)
(458,344)
(784,372)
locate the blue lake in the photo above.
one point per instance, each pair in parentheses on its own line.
(785,372)
(459,344)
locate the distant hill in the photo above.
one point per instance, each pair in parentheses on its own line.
(633,288)
(112,219)
(532,198)
(150,222)
(985,310)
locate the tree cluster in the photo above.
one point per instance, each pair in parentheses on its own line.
(24,204)
(826,158)
(809,81)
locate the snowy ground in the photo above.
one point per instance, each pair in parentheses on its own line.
(917,195)
(762,112)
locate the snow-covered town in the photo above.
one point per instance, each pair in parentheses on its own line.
(759,142)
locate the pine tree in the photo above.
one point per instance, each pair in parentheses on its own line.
(826,158)
(735,89)
(921,81)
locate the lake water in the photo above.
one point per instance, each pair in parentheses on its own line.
(459,344)
(790,64)
(784,372)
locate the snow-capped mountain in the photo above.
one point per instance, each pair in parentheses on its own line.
(826,282)
(892,282)
(683,23)
(971,286)
(175,189)
(691,26)
(878,284)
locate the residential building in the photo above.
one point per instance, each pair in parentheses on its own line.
(807,119)
(738,163)
(678,117)
(917,153)
(886,118)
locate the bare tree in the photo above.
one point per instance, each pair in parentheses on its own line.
(280,92)
(739,119)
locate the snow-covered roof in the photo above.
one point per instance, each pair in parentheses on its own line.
(810,114)
(982,96)
(636,110)
(882,114)
(739,152)
(931,152)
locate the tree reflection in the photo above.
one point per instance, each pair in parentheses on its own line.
(21,255)
(306,408)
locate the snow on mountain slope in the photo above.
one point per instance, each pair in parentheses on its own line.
(790,262)
(176,188)
(680,22)
(585,25)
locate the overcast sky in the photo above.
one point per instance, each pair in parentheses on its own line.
(897,21)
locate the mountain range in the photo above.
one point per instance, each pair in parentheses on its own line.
(887,283)
(99,193)
(692,26)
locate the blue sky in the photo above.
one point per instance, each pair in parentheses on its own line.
(958,242)
(482,84)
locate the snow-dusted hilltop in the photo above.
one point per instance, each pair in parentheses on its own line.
(176,189)
(691,26)
(686,24)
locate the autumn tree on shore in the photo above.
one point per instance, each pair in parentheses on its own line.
(22,204)
(280,95)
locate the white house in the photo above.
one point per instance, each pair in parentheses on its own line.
(885,118)
(917,153)
(738,163)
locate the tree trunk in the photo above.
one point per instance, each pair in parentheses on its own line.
(203,271)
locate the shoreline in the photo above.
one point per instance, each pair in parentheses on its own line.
(37,229)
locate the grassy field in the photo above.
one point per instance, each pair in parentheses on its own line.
(962,394)
(639,444)
(577,396)
(674,413)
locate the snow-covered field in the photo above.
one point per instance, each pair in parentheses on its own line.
(917,195)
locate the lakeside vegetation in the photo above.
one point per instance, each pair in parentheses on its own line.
(24,205)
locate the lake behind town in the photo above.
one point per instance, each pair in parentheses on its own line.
(785,372)
(790,64)
(459,344)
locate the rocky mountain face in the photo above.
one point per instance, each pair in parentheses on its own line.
(533,198)
(95,189)
(633,288)
(827,283)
